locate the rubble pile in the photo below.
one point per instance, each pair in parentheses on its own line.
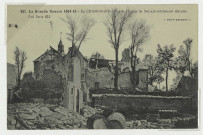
(144,124)
(154,122)
(43,116)
(50,116)
(88,111)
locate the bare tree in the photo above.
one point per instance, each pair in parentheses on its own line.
(139,32)
(78,29)
(115,25)
(20,58)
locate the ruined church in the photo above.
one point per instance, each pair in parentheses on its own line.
(80,74)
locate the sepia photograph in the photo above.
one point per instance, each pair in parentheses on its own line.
(102,67)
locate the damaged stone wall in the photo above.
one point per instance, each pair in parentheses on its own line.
(73,95)
(49,60)
(11,75)
(105,79)
(54,68)
(124,80)
(143,79)
(188,86)
(11,81)
(140,102)
(102,77)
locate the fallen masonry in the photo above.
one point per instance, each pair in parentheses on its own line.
(49,116)
(153,121)
(46,116)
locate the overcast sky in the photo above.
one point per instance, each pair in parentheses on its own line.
(34,36)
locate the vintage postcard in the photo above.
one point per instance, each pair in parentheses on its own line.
(102,67)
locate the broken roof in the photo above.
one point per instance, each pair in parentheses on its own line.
(78,52)
(46,52)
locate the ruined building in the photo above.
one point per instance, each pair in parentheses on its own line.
(11,75)
(79,74)
(70,67)
(100,74)
(11,80)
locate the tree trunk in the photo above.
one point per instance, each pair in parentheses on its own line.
(167,80)
(71,55)
(151,78)
(116,71)
(18,82)
(133,70)
(132,67)
(133,77)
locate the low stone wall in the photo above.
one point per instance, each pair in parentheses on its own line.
(140,102)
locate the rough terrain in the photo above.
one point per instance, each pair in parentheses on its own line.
(46,116)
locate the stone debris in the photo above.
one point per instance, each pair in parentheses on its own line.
(143,124)
(49,116)
(152,117)
(88,111)
(28,116)
(43,116)
(44,111)
(158,123)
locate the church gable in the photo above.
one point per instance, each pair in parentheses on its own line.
(49,55)
(51,59)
